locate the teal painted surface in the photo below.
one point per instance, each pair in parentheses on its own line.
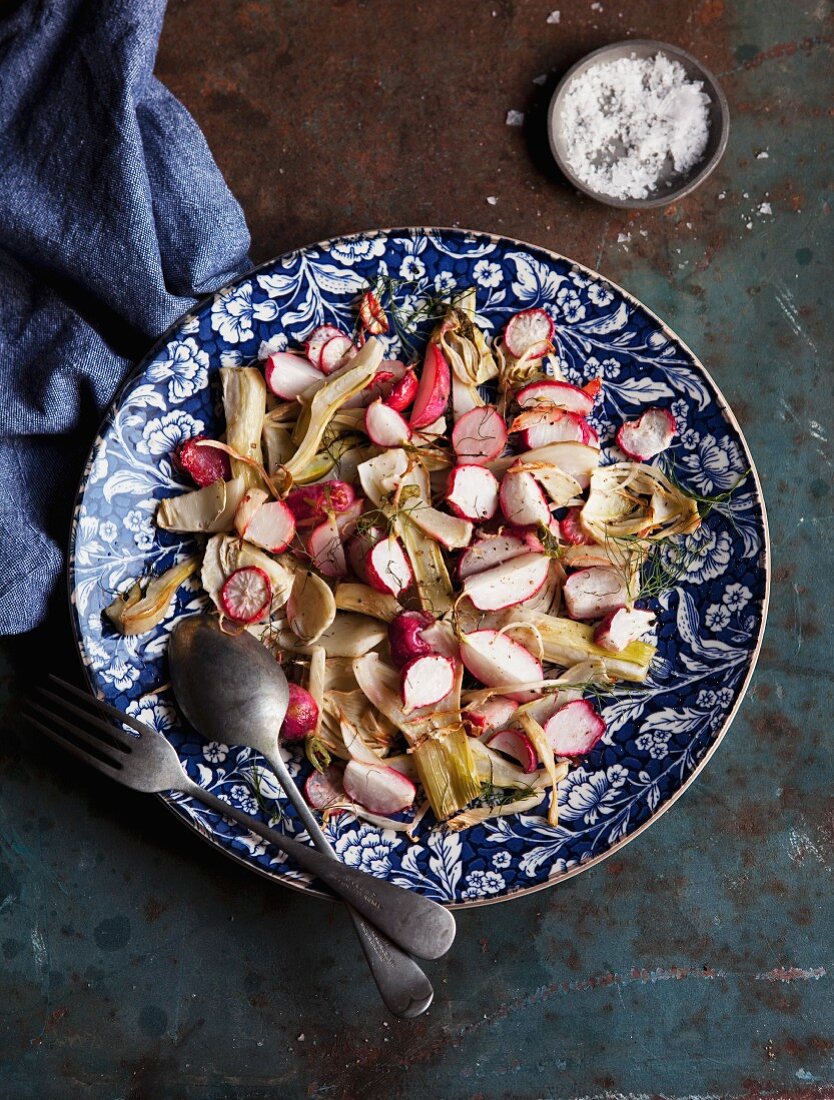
(143,965)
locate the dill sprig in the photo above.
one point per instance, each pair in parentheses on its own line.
(392,295)
(705,503)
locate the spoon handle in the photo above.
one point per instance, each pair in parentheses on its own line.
(418,925)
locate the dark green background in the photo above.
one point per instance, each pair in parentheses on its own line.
(699,960)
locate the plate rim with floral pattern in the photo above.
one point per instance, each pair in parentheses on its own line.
(437,864)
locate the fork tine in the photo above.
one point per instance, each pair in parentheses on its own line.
(71,747)
(93,740)
(122,740)
(106,708)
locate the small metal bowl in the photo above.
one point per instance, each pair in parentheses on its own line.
(678,184)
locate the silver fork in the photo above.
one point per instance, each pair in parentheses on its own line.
(148,762)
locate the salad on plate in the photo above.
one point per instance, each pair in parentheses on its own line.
(433,549)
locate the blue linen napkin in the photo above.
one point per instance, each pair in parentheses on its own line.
(113,218)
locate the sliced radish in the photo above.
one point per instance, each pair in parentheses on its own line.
(302,715)
(380,789)
(327,552)
(621,627)
(517,744)
(529,334)
(647,436)
(250,502)
(385,426)
(324,789)
(426,680)
(403,392)
(522,499)
(509,584)
(336,352)
(493,713)
(316,341)
(561,394)
(491,550)
(359,547)
(388,569)
(272,527)
(472,493)
(246,595)
(571,530)
(592,593)
(433,390)
(310,504)
(543,426)
(574,729)
(372,315)
(479,436)
(405,636)
(288,376)
(204,465)
(495,659)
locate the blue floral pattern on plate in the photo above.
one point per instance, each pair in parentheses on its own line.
(709,626)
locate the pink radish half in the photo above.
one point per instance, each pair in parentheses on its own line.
(405,636)
(385,426)
(592,593)
(522,500)
(246,595)
(621,627)
(324,789)
(473,493)
(529,333)
(571,530)
(556,426)
(272,527)
(492,550)
(493,713)
(433,391)
(204,465)
(647,436)
(561,394)
(517,744)
(497,659)
(302,715)
(403,392)
(388,569)
(326,550)
(506,585)
(426,680)
(574,729)
(316,341)
(288,375)
(479,436)
(378,788)
(336,353)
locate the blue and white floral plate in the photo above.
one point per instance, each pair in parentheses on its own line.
(659,735)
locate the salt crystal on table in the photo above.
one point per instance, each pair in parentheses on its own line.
(492,200)
(554,17)
(515,118)
(765,208)
(763,155)
(626,121)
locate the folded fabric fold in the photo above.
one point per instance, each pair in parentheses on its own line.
(113,219)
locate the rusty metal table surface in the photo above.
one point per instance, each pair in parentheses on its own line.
(699,960)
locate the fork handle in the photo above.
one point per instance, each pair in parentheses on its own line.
(417,924)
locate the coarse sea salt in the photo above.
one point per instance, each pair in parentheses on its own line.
(630,123)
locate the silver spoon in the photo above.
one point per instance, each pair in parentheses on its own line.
(231,689)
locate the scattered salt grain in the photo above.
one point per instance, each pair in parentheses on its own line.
(749,225)
(492,200)
(722,194)
(554,17)
(301,1037)
(596,7)
(623,238)
(540,79)
(515,118)
(763,155)
(765,208)
(627,122)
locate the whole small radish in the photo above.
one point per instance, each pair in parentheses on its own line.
(302,715)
